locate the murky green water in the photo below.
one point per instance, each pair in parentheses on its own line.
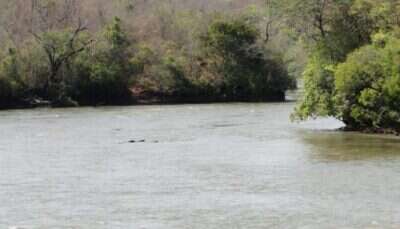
(201,167)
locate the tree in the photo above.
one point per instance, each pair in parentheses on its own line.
(60,47)
(103,77)
(351,66)
(232,50)
(367,86)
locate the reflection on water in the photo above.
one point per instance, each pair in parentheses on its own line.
(217,166)
(335,146)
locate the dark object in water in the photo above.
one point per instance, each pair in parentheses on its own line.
(139,141)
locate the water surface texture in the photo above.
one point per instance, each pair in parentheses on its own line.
(220,166)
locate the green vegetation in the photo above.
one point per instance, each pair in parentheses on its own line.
(245,72)
(353,69)
(367,86)
(126,52)
(103,71)
(197,57)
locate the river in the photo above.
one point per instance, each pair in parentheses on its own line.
(215,166)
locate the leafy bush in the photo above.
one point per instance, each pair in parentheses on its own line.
(102,73)
(368,86)
(162,74)
(363,91)
(232,51)
(12,86)
(318,90)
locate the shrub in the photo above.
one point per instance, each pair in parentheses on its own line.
(11,84)
(102,77)
(231,51)
(319,90)
(368,85)
(363,91)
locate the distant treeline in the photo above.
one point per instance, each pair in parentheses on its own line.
(65,56)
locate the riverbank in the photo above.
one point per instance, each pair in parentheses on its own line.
(37,102)
(371,130)
(289,97)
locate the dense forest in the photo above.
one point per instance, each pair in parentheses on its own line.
(102,52)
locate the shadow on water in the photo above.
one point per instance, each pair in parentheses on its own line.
(337,146)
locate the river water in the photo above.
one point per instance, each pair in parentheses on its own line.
(218,166)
